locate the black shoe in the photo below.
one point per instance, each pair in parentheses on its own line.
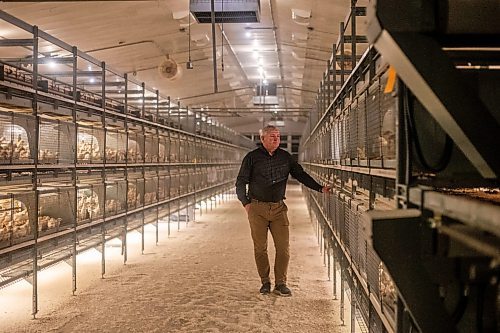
(266,288)
(282,290)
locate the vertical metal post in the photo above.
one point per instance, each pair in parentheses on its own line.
(179,212)
(342,64)
(342,292)
(127,158)
(334,275)
(124,241)
(142,233)
(103,229)
(329,259)
(334,71)
(353,312)
(103,251)
(214,50)
(34,305)
(353,36)
(157,167)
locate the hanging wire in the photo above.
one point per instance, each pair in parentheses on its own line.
(222,34)
(189,31)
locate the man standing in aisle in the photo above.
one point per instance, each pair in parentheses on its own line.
(266,171)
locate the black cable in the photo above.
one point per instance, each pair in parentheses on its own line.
(445,157)
(463,300)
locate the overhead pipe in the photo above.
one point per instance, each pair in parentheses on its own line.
(214,50)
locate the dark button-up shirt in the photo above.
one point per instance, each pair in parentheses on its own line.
(266,176)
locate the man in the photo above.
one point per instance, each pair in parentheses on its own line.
(266,171)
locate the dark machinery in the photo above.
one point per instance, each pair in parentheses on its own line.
(441,248)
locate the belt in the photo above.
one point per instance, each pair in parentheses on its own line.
(267,202)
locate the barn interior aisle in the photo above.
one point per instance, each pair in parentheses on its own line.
(200,279)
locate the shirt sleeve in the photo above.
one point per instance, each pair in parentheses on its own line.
(298,173)
(243,179)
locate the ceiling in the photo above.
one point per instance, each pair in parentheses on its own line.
(289,46)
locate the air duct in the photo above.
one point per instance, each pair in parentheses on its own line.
(226,11)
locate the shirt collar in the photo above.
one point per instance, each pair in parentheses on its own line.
(261,147)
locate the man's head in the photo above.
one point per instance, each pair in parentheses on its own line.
(270,138)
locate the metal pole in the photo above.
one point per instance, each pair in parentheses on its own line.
(334,275)
(214,49)
(34,306)
(353,312)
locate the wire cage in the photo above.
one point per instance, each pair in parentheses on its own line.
(135,153)
(56,142)
(364,237)
(90,202)
(183,149)
(345,152)
(174,147)
(16,138)
(375,141)
(174,182)
(388,294)
(56,209)
(163,185)
(116,197)
(388,104)
(150,188)
(151,148)
(361,144)
(90,146)
(203,180)
(163,147)
(135,192)
(211,176)
(116,146)
(191,179)
(191,150)
(354,232)
(17,217)
(183,180)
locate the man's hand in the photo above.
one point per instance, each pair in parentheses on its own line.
(247,207)
(326,189)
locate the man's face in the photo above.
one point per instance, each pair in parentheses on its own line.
(271,140)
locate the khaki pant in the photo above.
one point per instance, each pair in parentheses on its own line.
(265,216)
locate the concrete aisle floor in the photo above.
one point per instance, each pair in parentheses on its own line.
(200,279)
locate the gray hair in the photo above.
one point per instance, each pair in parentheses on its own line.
(267,129)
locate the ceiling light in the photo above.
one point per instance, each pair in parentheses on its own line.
(92,80)
(248,34)
(255,54)
(52,64)
(89,67)
(265,82)
(301,16)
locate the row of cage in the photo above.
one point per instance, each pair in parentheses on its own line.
(19,263)
(61,142)
(354,126)
(62,207)
(73,79)
(347,235)
(358,131)
(147,108)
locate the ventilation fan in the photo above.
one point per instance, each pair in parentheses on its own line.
(169,69)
